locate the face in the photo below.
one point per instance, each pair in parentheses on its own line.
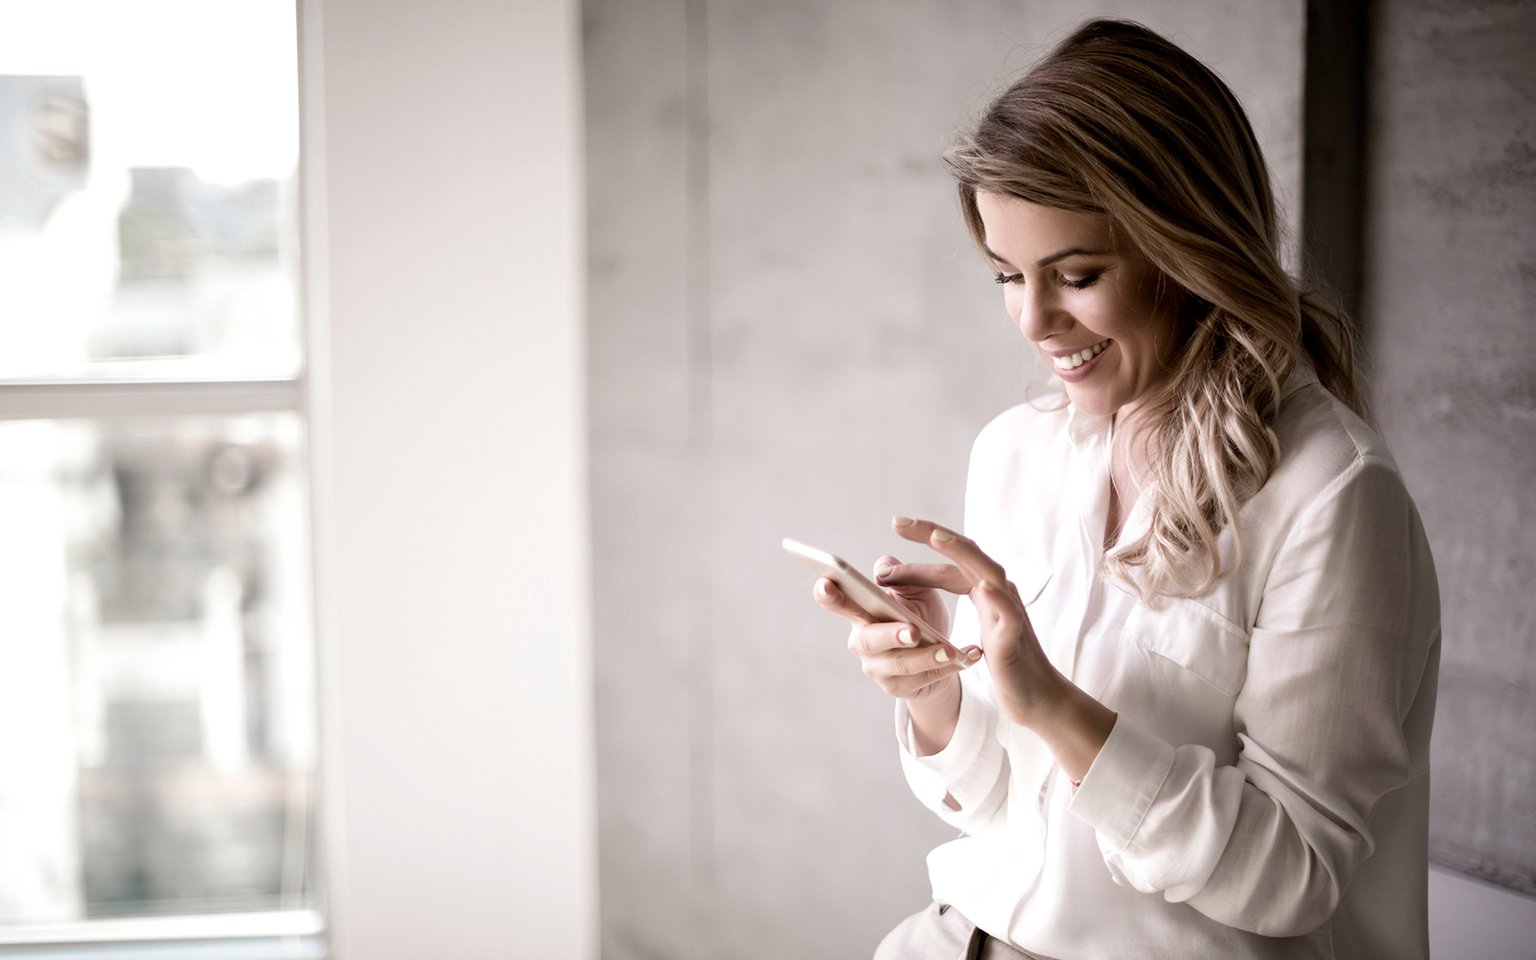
(1091,304)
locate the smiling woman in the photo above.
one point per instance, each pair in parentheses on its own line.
(1199,613)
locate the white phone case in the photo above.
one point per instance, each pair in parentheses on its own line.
(860,589)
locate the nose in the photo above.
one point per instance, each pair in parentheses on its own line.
(1039,314)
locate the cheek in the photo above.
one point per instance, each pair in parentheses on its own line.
(1012,303)
(1161,332)
(1130,318)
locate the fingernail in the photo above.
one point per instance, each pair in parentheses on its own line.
(903,521)
(905,636)
(973,654)
(942,656)
(823,588)
(943,536)
(884,570)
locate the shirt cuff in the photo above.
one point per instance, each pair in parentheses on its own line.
(1122,782)
(966,768)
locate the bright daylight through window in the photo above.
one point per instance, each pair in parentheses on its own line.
(156,640)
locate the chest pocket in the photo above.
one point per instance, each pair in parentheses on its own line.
(1195,638)
(1181,666)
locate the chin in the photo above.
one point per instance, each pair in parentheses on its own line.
(1093,402)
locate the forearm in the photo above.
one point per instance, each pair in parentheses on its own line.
(934,716)
(1073,726)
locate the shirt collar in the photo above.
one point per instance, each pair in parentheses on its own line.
(1301,376)
(1083,426)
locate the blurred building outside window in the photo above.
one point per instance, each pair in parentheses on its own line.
(156,630)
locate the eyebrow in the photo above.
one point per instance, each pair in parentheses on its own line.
(1047,261)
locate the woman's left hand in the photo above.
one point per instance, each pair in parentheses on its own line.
(1027,683)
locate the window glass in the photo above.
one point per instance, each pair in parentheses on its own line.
(147,158)
(156,668)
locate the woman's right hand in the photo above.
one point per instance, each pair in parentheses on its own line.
(891,652)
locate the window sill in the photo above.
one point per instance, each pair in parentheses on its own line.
(282,935)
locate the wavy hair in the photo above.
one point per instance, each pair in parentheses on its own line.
(1118,121)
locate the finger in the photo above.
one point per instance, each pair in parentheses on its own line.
(911,686)
(897,649)
(909,663)
(834,600)
(888,665)
(971,560)
(942,576)
(904,684)
(902,673)
(874,639)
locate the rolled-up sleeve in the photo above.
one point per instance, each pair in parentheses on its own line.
(1345,635)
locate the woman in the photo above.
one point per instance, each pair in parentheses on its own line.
(1199,616)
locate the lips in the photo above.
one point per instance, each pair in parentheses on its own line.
(1074,360)
(1072,368)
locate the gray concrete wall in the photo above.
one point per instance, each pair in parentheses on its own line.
(790,336)
(1450,287)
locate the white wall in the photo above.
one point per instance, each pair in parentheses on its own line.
(444,200)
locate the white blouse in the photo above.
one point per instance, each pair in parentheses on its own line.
(1265,789)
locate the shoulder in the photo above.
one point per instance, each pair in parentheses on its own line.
(1335,487)
(1337,520)
(1325,445)
(1334,506)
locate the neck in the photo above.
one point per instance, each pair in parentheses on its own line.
(1130,453)
(1127,455)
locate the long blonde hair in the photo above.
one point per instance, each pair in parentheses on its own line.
(1120,122)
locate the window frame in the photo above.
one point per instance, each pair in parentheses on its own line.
(502,763)
(118,396)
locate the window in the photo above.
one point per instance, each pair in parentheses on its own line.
(156,640)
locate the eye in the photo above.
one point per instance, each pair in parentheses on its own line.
(1008,278)
(1082,283)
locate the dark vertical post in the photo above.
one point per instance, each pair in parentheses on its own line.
(1334,141)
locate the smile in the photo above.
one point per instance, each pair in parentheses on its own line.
(1074,360)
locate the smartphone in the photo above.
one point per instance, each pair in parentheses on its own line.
(861,590)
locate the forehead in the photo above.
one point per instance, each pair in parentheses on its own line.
(1021,231)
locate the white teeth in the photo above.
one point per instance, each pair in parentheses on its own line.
(1074,360)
